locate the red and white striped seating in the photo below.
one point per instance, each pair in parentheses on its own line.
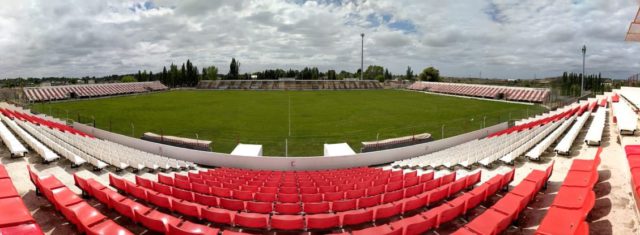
(525,94)
(35,94)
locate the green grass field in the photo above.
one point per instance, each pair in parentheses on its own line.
(262,117)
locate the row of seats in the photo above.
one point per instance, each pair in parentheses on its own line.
(444,213)
(594,133)
(498,217)
(46,153)
(75,209)
(633,158)
(540,148)
(632,94)
(80,147)
(15,217)
(13,144)
(504,145)
(287,216)
(624,117)
(564,146)
(289,84)
(574,200)
(152,219)
(538,95)
(35,94)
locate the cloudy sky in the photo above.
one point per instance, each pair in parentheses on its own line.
(498,38)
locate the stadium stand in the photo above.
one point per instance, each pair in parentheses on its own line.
(574,200)
(36,94)
(564,146)
(15,147)
(80,147)
(594,134)
(47,154)
(499,217)
(289,84)
(536,95)
(624,117)
(633,158)
(15,217)
(76,210)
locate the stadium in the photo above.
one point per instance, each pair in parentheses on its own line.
(187,151)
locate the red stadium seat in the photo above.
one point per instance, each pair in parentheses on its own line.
(393,186)
(355,193)
(378,230)
(316,207)
(186,208)
(431,185)
(117,183)
(183,194)
(201,188)
(221,192)
(288,198)
(144,182)
(308,190)
(322,221)
(107,227)
(259,207)
(369,201)
(445,179)
(288,208)
(412,203)
(242,195)
(14,212)
(82,214)
(162,188)
(252,220)
(393,196)
(473,179)
(136,191)
(265,197)
(333,196)
(457,186)
(288,190)
(311,197)
(413,190)
(448,212)
(426,177)
(356,217)
(438,194)
(490,222)
(375,190)
(159,200)
(218,215)
(188,228)
(127,208)
(206,200)
(156,221)
(511,205)
(414,225)
(287,222)
(386,211)
(344,205)
(231,204)
(164,179)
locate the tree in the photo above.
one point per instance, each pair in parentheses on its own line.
(331,75)
(387,75)
(430,74)
(128,78)
(409,75)
(165,76)
(374,72)
(234,69)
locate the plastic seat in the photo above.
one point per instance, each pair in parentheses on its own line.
(259,207)
(393,196)
(156,221)
(473,179)
(62,197)
(127,207)
(206,200)
(375,190)
(162,188)
(145,183)
(14,212)
(344,205)
(188,228)
(288,190)
(412,203)
(136,191)
(288,198)
(265,197)
(378,230)
(311,198)
(231,204)
(242,195)
(221,192)
(82,214)
(328,189)
(186,208)
(201,188)
(106,196)
(163,179)
(490,222)
(308,190)
(446,179)
(526,189)
(355,193)
(182,184)
(322,221)
(355,217)
(218,215)
(448,212)
(369,201)
(333,196)
(107,227)
(511,205)
(252,220)
(393,186)
(159,200)
(183,194)
(386,211)
(287,222)
(287,208)
(413,190)
(28,228)
(457,186)
(117,183)
(269,190)
(316,207)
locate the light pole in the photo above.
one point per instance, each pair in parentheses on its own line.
(584,54)
(362,58)
(132,130)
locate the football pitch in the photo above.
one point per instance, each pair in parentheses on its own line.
(296,123)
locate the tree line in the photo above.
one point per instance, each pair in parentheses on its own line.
(570,83)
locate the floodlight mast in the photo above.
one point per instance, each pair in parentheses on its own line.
(362,58)
(584,53)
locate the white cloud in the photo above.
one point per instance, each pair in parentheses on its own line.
(501,38)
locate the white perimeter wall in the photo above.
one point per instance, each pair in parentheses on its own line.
(289,163)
